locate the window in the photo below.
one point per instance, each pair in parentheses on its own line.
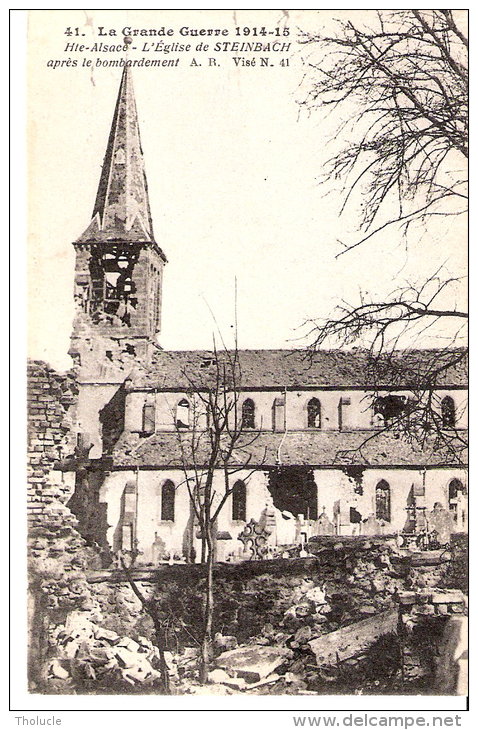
(382,501)
(168,493)
(278,414)
(182,414)
(248,414)
(448,413)
(344,414)
(125,538)
(149,417)
(239,498)
(456,492)
(313,413)
(389,409)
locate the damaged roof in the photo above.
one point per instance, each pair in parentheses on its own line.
(122,211)
(295,369)
(311,448)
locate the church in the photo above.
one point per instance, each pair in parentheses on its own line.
(311,454)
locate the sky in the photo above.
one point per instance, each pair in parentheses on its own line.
(236,180)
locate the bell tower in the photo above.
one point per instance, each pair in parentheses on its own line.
(119,264)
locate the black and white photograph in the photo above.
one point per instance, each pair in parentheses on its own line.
(247,358)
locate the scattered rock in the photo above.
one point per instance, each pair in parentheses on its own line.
(106,635)
(304,609)
(368,609)
(303,635)
(129,644)
(56,670)
(224,643)
(316,595)
(218,676)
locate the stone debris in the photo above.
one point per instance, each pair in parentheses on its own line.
(254,662)
(55,669)
(88,651)
(224,643)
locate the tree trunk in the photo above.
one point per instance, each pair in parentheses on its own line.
(208,611)
(161,644)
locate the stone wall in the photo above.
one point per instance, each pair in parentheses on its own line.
(57,554)
(51,402)
(359,577)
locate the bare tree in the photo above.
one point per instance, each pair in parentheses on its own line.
(400,79)
(380,325)
(214,444)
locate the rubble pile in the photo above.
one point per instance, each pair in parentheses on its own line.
(89,656)
(323,625)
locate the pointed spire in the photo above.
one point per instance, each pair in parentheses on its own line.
(121,209)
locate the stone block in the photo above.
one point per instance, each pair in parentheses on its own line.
(448,597)
(254,662)
(407,598)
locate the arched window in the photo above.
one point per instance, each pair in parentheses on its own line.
(149,417)
(182,414)
(456,491)
(448,413)
(313,413)
(239,498)
(248,414)
(382,501)
(168,494)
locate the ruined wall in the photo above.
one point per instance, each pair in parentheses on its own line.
(51,406)
(57,554)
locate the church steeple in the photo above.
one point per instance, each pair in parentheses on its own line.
(121,208)
(119,265)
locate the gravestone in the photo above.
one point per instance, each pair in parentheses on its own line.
(254,537)
(372,526)
(324,525)
(440,520)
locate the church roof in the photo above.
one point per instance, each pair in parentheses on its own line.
(296,369)
(121,210)
(311,448)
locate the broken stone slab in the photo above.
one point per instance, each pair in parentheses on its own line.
(448,597)
(254,662)
(351,640)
